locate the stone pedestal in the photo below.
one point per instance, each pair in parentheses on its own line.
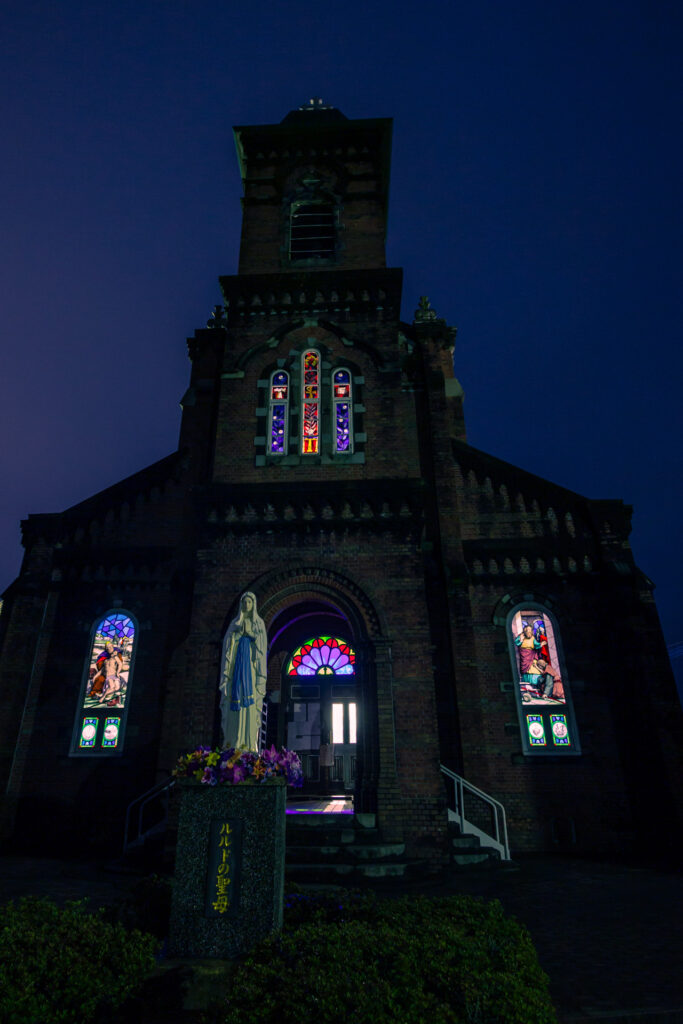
(230,868)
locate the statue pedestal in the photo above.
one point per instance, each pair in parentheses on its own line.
(230,868)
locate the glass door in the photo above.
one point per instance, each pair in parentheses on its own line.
(343,715)
(321,712)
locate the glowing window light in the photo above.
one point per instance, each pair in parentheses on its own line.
(310,397)
(342,399)
(352,723)
(278,412)
(110,659)
(536,730)
(88,732)
(110,737)
(323,655)
(538,668)
(560,730)
(337,723)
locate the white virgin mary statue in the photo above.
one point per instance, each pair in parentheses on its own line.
(243,679)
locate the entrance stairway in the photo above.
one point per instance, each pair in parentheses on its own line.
(340,849)
(468,850)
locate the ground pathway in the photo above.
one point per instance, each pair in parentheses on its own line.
(609,935)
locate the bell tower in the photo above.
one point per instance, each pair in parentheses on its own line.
(315,192)
(310,325)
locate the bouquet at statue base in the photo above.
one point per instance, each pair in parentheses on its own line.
(232,766)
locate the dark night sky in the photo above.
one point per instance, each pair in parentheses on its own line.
(535,198)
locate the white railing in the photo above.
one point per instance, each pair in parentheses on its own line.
(497,837)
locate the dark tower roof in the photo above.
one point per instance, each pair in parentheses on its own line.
(314,112)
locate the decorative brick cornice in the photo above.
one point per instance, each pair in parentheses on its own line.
(369,504)
(339,295)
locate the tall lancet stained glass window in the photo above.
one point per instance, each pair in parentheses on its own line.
(310,395)
(278,412)
(323,656)
(101,715)
(342,399)
(544,702)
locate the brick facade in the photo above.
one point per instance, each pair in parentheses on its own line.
(418,543)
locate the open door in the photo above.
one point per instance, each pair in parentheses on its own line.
(321,711)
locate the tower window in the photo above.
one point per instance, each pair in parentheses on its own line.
(278,412)
(310,426)
(342,398)
(312,231)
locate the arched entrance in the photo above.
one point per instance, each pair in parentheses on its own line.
(307,603)
(312,651)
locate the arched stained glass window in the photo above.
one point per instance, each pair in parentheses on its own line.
(323,656)
(544,704)
(104,701)
(310,396)
(539,674)
(278,412)
(342,401)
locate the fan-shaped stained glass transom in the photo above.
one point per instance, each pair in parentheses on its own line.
(323,656)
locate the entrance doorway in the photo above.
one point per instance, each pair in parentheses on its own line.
(322,713)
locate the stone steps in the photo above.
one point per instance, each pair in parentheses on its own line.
(353,854)
(467,851)
(340,848)
(344,873)
(343,849)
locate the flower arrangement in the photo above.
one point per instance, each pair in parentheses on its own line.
(233,766)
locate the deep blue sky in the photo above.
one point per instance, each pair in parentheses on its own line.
(535,198)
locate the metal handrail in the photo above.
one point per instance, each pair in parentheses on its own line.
(167,784)
(143,800)
(500,841)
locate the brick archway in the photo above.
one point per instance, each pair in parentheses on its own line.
(280,589)
(281,592)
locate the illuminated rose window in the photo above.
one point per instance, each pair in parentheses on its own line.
(323,656)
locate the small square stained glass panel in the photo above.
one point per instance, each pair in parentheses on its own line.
(88,733)
(536,730)
(110,737)
(560,730)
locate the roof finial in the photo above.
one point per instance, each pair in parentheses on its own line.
(424,311)
(315,103)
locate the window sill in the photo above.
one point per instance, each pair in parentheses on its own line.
(354,459)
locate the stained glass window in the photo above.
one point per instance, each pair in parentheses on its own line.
(110,656)
(540,683)
(343,410)
(323,655)
(310,395)
(278,415)
(539,677)
(560,730)
(88,732)
(110,736)
(102,709)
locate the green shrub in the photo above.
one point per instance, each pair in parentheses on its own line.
(64,965)
(147,906)
(302,906)
(363,960)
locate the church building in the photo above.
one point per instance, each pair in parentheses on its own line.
(448,635)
